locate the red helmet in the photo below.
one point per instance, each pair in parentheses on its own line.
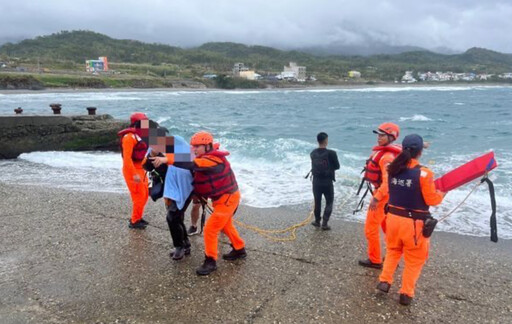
(136,116)
(201,138)
(390,129)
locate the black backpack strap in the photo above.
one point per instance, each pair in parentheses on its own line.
(494,226)
(360,205)
(203,214)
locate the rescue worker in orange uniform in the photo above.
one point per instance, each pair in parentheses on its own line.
(133,153)
(214,179)
(411,192)
(376,175)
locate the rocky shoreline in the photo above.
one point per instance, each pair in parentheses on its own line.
(295,87)
(69,257)
(27,133)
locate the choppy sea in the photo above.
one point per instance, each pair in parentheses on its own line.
(271,132)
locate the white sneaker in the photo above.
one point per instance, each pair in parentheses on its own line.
(192,230)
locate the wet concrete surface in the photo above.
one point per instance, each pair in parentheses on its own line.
(69,257)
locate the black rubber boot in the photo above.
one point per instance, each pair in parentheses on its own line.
(383,286)
(137,225)
(325,227)
(369,264)
(315,223)
(209,266)
(235,254)
(405,300)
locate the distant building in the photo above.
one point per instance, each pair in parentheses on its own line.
(249,75)
(210,76)
(408,78)
(239,67)
(295,72)
(354,74)
(99,65)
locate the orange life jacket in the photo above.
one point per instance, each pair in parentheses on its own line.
(140,149)
(215,184)
(372,171)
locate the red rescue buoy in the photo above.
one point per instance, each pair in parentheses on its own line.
(466,172)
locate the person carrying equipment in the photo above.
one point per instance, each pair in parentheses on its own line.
(133,151)
(214,179)
(409,223)
(323,164)
(375,175)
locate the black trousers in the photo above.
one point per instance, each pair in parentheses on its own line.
(326,189)
(175,220)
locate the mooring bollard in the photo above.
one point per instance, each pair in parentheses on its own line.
(56,108)
(18,111)
(91,110)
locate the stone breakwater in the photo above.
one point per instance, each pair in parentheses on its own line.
(23,134)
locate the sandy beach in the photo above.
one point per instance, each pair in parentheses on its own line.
(69,257)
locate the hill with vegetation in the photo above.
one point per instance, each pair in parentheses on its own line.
(67,51)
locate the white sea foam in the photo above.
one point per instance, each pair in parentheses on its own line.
(416,118)
(241,92)
(80,160)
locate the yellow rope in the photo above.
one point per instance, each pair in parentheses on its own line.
(267,233)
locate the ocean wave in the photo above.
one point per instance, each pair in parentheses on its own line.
(241,92)
(416,118)
(80,160)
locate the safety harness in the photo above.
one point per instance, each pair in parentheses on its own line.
(372,174)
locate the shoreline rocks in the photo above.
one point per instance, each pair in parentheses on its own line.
(23,134)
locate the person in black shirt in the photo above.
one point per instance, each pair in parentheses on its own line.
(323,164)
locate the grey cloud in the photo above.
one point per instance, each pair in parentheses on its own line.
(283,23)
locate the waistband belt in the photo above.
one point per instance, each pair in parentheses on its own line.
(408,213)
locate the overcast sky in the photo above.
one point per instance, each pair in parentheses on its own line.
(455,24)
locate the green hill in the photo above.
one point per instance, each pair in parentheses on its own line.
(68,50)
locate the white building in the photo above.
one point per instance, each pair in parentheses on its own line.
(408,78)
(239,67)
(294,72)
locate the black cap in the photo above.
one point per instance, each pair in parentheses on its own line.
(413,142)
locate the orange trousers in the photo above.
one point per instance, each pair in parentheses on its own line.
(375,219)
(222,220)
(400,239)
(139,192)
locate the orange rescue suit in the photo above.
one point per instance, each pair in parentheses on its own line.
(375,219)
(224,207)
(404,236)
(138,190)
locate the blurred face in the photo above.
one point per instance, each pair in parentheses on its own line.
(383,139)
(199,149)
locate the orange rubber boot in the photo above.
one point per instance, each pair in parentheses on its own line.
(222,220)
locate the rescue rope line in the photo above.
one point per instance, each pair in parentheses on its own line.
(462,202)
(269,234)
